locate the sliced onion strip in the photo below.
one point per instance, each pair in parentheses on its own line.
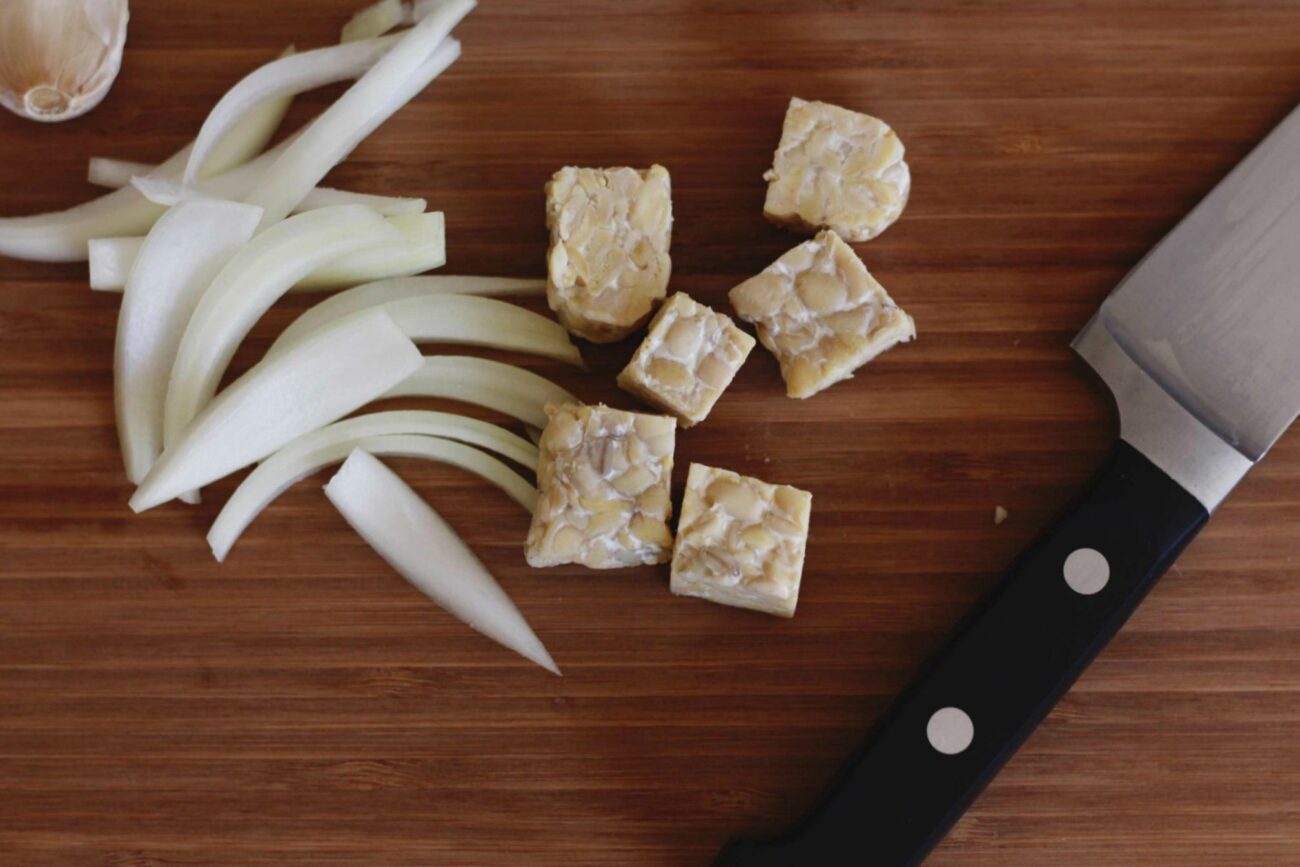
(182,253)
(419,56)
(466,320)
(415,433)
(505,388)
(333,372)
(251,281)
(419,544)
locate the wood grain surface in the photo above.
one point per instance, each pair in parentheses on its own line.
(301,704)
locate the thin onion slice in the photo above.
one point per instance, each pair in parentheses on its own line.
(236,184)
(113,174)
(182,253)
(63,236)
(505,388)
(332,373)
(111,260)
(422,247)
(251,281)
(419,56)
(419,544)
(467,320)
(382,291)
(416,434)
(285,77)
(376,20)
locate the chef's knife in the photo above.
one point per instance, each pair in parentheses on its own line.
(1200,345)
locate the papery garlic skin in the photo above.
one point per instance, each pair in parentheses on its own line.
(58,58)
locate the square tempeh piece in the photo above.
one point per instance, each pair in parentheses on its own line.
(836,169)
(687,360)
(821,313)
(608,263)
(603,478)
(741,541)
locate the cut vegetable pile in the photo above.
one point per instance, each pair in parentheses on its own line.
(203,244)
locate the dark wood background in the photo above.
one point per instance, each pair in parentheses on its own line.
(301,704)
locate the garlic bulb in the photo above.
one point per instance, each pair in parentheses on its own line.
(58,58)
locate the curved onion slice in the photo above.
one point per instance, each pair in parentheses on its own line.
(111,260)
(466,320)
(182,253)
(381,292)
(413,434)
(416,59)
(251,281)
(505,388)
(376,20)
(113,174)
(285,77)
(416,542)
(423,246)
(330,374)
(62,236)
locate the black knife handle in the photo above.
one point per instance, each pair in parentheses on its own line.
(1003,669)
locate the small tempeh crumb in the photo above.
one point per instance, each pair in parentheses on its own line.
(821,313)
(687,360)
(836,169)
(608,262)
(741,541)
(603,478)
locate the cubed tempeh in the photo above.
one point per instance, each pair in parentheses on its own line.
(836,169)
(608,262)
(821,313)
(687,360)
(741,541)
(603,477)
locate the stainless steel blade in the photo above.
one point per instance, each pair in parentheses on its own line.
(1211,319)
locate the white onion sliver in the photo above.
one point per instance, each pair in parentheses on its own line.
(248,136)
(419,544)
(419,56)
(376,20)
(251,281)
(182,253)
(470,321)
(111,260)
(417,434)
(332,373)
(281,78)
(62,236)
(504,388)
(421,247)
(383,291)
(114,174)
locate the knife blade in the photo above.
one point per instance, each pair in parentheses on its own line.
(1200,346)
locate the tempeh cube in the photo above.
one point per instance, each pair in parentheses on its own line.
(686,361)
(608,263)
(603,477)
(821,313)
(836,169)
(741,541)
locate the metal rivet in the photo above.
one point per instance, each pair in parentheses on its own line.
(1086,571)
(950,730)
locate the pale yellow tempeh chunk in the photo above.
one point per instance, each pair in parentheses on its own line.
(608,262)
(821,313)
(603,477)
(836,169)
(741,541)
(687,360)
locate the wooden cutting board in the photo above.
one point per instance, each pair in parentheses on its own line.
(301,704)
